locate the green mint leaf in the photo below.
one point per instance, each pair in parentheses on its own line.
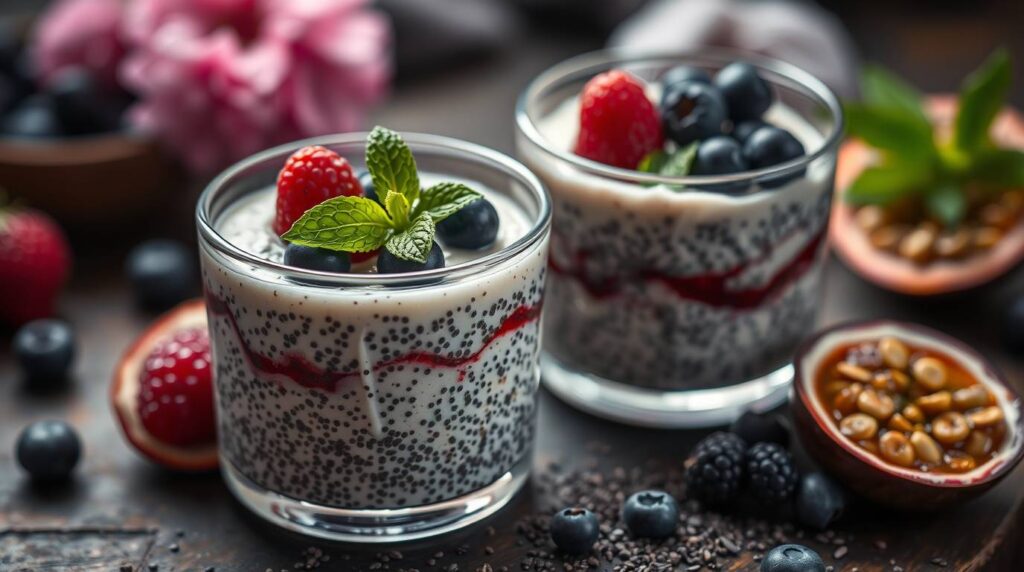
(892,130)
(678,164)
(981,97)
(882,88)
(653,162)
(1001,168)
(391,164)
(350,224)
(444,199)
(884,184)
(398,207)
(415,242)
(946,202)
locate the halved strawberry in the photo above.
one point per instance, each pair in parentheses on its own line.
(162,391)
(311,176)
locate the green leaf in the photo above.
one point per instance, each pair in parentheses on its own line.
(884,184)
(891,129)
(391,164)
(882,88)
(678,164)
(415,242)
(947,203)
(1001,168)
(981,97)
(350,224)
(398,208)
(444,199)
(653,162)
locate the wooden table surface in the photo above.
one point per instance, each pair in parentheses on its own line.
(120,510)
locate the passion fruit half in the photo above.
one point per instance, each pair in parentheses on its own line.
(868,474)
(905,276)
(126,386)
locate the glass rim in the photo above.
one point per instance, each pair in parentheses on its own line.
(594,62)
(491,159)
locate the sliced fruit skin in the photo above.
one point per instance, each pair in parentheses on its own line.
(902,276)
(125,388)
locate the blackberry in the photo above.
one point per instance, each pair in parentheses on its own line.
(772,472)
(714,471)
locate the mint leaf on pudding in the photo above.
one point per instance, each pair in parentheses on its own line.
(415,242)
(653,162)
(981,98)
(350,224)
(391,164)
(398,207)
(679,162)
(444,199)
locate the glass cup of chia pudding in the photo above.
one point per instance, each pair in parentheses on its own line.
(365,406)
(686,260)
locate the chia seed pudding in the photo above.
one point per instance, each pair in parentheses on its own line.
(371,391)
(669,285)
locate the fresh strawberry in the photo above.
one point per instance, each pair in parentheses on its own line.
(34,264)
(175,401)
(618,124)
(311,176)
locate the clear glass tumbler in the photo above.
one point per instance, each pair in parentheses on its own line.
(368,407)
(678,301)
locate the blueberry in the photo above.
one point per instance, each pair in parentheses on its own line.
(162,273)
(651,514)
(680,74)
(48,450)
(1013,326)
(756,427)
(473,227)
(320,259)
(81,104)
(692,111)
(574,530)
(45,349)
(819,501)
(771,146)
(34,117)
(743,130)
(792,558)
(388,263)
(719,155)
(746,94)
(366,181)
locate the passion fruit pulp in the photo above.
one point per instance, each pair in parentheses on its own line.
(126,386)
(905,276)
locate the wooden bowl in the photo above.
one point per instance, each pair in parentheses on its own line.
(869,475)
(88,180)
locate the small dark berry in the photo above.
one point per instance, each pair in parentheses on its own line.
(1013,325)
(82,106)
(474,226)
(319,259)
(388,263)
(770,146)
(743,130)
(792,558)
(34,117)
(162,273)
(819,501)
(45,350)
(719,155)
(574,530)
(772,472)
(369,190)
(714,470)
(746,95)
(651,514)
(756,427)
(48,450)
(691,112)
(680,74)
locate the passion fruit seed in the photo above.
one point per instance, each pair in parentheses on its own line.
(899,423)
(950,427)
(978,444)
(987,237)
(871,217)
(876,404)
(913,413)
(960,462)
(986,417)
(854,372)
(935,403)
(995,214)
(1013,201)
(896,449)
(894,352)
(888,237)
(859,426)
(917,246)
(930,373)
(926,448)
(846,401)
(953,244)
(900,380)
(970,397)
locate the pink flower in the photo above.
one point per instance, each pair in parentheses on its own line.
(221,79)
(80,33)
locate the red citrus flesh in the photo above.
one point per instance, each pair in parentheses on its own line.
(124,393)
(900,275)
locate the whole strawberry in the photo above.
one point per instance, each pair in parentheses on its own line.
(34,265)
(618,124)
(311,176)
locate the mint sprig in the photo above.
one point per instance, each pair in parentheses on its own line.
(403,223)
(678,163)
(915,164)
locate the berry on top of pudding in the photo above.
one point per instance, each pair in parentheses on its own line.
(329,217)
(702,125)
